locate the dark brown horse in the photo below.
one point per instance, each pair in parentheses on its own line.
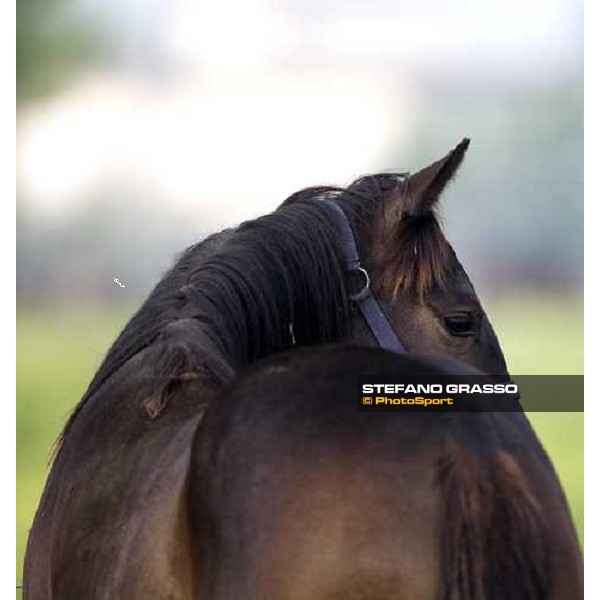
(296,495)
(114,518)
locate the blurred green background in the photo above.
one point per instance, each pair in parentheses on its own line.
(143,126)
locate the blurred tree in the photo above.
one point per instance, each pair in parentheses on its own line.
(54,40)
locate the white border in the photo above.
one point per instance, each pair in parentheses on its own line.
(592,330)
(7,296)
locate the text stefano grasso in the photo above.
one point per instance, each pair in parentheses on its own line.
(438,388)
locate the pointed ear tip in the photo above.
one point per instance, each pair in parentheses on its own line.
(464,144)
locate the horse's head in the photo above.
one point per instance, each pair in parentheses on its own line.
(415,274)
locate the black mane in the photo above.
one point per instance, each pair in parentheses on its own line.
(267,285)
(244,287)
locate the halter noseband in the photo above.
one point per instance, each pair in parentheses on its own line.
(364,299)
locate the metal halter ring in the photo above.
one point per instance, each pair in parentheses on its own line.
(364,290)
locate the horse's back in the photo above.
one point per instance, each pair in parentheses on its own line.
(298,495)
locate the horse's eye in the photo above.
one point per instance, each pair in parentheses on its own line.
(461,324)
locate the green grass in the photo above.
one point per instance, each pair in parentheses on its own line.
(57,354)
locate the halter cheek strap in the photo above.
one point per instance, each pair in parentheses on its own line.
(364,299)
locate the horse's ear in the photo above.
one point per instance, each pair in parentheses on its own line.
(426,186)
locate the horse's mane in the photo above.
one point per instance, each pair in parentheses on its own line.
(245,286)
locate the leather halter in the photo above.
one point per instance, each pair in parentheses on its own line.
(364,299)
